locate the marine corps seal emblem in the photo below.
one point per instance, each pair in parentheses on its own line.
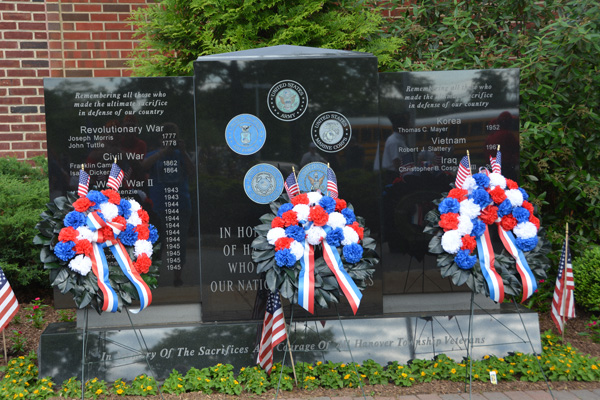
(331,131)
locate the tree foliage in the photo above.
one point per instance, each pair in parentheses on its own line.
(173,33)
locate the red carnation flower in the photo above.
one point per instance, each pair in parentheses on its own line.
(283,243)
(113,196)
(498,195)
(449,221)
(458,194)
(143,232)
(508,222)
(119,219)
(512,184)
(360,231)
(277,223)
(534,220)
(83,246)
(143,216)
(528,206)
(142,264)
(106,233)
(300,199)
(82,204)
(68,233)
(340,205)
(468,243)
(489,215)
(318,216)
(290,218)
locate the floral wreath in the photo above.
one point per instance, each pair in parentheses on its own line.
(296,233)
(461,224)
(74,233)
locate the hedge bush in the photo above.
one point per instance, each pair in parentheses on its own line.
(586,272)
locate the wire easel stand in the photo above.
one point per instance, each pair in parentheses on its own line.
(360,382)
(284,354)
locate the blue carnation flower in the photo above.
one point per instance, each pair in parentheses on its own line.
(449,204)
(481,197)
(527,244)
(125,208)
(464,260)
(352,253)
(524,193)
(349,215)
(285,258)
(75,219)
(504,208)
(328,204)
(482,180)
(129,236)
(153,233)
(97,197)
(284,207)
(295,232)
(521,214)
(334,237)
(64,250)
(478,227)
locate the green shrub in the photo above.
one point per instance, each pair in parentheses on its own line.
(23,197)
(586,272)
(173,33)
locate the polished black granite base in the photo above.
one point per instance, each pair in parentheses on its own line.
(125,353)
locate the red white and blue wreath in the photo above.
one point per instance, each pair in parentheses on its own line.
(314,248)
(461,226)
(76,231)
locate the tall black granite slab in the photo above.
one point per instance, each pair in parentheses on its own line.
(121,353)
(244,85)
(147,125)
(429,120)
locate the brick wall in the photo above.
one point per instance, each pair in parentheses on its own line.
(54,38)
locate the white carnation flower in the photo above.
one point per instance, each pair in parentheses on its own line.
(302,211)
(274,234)
(451,242)
(515,197)
(465,226)
(81,264)
(134,219)
(525,230)
(297,249)
(497,179)
(469,183)
(142,247)
(350,236)
(315,235)
(85,233)
(469,208)
(109,210)
(134,205)
(336,220)
(314,198)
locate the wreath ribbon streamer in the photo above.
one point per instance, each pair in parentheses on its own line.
(334,262)
(527,278)
(486,260)
(100,264)
(306,280)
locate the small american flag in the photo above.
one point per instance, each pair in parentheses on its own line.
(332,188)
(8,302)
(115,178)
(464,170)
(496,163)
(84,183)
(291,186)
(563,302)
(273,331)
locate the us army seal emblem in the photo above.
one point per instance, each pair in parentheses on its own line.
(245,134)
(331,131)
(287,100)
(263,183)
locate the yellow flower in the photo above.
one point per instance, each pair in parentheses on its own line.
(453,370)
(236,382)
(243,369)
(179,385)
(119,391)
(486,357)
(99,391)
(404,375)
(347,376)
(423,373)
(36,391)
(476,376)
(149,387)
(343,365)
(319,362)
(411,379)
(594,366)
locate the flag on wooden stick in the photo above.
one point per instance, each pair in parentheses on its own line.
(115,178)
(563,302)
(464,170)
(8,302)
(273,331)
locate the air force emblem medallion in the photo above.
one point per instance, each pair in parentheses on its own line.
(331,131)
(245,134)
(287,100)
(263,183)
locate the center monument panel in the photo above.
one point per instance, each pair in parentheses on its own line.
(259,115)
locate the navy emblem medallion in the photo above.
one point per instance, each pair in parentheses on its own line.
(313,177)
(287,100)
(263,183)
(331,131)
(245,134)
